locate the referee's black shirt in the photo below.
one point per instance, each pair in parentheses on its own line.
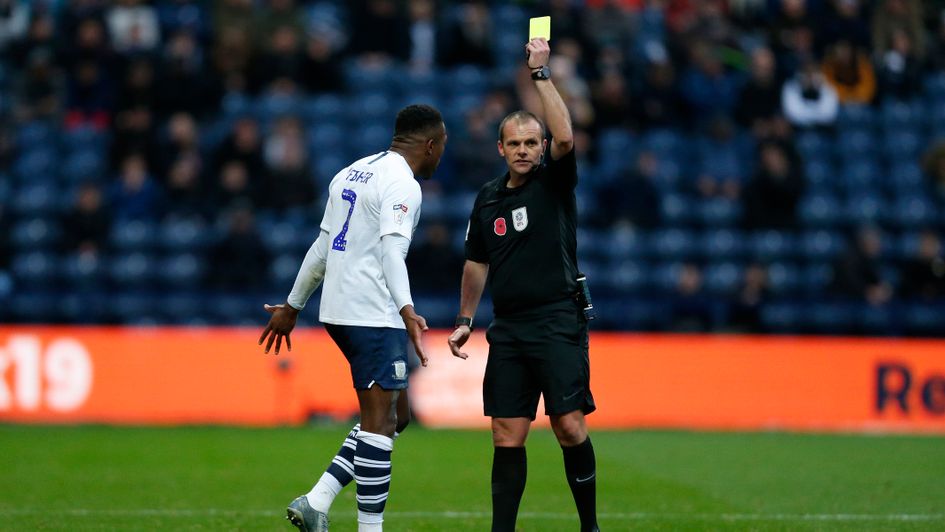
(528,236)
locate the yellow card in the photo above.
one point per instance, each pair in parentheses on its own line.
(539,27)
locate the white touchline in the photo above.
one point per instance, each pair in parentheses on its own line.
(614,516)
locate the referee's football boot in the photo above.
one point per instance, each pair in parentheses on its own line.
(306,518)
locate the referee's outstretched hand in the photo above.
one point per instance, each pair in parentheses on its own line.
(416,324)
(458,339)
(280,325)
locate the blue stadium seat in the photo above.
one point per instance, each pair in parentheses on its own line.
(903,145)
(722,244)
(36,133)
(934,87)
(328,163)
(84,164)
(134,235)
(820,174)
(668,174)
(876,321)
(819,210)
(133,308)
(37,199)
(814,145)
(722,277)
(859,175)
(817,277)
(182,270)
(83,308)
(665,275)
(366,139)
(183,235)
(85,138)
(677,210)
(913,212)
(327,136)
(622,243)
(781,317)
(854,117)
(134,270)
(627,276)
(906,177)
(464,79)
(674,244)
(35,270)
(855,145)
(865,208)
(784,278)
(632,314)
(718,212)
(235,105)
(35,233)
(82,271)
(770,245)
(588,245)
(327,108)
(897,115)
(284,268)
(371,107)
(237,309)
(828,317)
(665,143)
(924,319)
(439,311)
(35,306)
(35,161)
(361,78)
(821,245)
(271,106)
(616,141)
(906,246)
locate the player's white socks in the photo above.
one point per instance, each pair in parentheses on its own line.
(372,471)
(340,472)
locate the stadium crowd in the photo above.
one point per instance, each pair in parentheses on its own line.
(746,165)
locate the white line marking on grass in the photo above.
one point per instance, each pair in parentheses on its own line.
(610,516)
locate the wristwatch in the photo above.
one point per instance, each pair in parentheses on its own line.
(463,320)
(540,73)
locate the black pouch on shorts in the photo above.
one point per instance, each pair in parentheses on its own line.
(584,298)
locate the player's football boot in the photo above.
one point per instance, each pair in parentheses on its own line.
(306,518)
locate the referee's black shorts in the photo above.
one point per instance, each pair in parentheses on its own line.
(541,351)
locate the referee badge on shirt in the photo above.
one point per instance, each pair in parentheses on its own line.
(519,219)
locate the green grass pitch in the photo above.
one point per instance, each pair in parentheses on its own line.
(207,478)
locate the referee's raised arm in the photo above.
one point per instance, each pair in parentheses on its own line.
(557,117)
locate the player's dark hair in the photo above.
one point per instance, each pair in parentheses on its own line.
(417,119)
(520,116)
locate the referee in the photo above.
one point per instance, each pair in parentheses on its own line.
(522,240)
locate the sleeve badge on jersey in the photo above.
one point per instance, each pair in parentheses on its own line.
(519,219)
(399,211)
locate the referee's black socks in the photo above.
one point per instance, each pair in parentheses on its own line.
(581,468)
(509,469)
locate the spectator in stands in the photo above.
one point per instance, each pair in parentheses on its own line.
(289,182)
(469,37)
(610,23)
(749,299)
(477,150)
(14,21)
(613,106)
(233,14)
(90,43)
(934,167)
(633,200)
(436,259)
(133,26)
(183,140)
(38,90)
(858,275)
(91,96)
(791,35)
(936,52)
(184,81)
(40,38)
(190,15)
(133,133)
(138,87)
(772,195)
(135,196)
(850,72)
(900,68)
(381,34)
(690,307)
(657,103)
(845,20)
(87,224)
(276,15)
(240,261)
(232,55)
(423,35)
(322,69)
(184,189)
(706,87)
(923,275)
(243,144)
(720,164)
(233,185)
(898,16)
(808,100)
(760,98)
(282,60)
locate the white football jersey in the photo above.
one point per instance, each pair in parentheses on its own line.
(375,196)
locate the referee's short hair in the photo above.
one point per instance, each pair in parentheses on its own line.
(520,117)
(416,119)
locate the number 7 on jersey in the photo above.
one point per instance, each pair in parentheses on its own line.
(339,243)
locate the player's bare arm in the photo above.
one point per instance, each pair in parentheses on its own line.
(474,281)
(557,117)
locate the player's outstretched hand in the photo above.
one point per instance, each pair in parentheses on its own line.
(280,325)
(458,339)
(416,324)
(537,52)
